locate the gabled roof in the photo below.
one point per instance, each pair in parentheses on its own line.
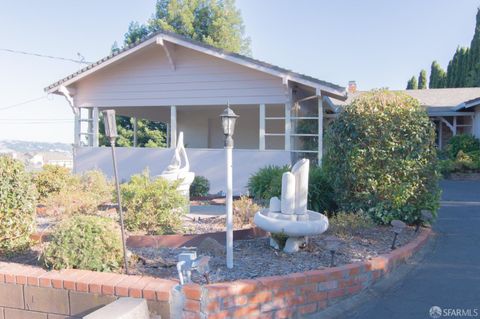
(435,100)
(468,104)
(327,88)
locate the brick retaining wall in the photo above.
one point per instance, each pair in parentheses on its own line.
(31,292)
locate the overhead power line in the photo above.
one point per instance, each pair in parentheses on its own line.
(23,103)
(81,61)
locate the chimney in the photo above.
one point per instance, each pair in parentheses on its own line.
(352,87)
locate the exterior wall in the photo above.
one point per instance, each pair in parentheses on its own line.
(146,78)
(31,292)
(205,162)
(476,122)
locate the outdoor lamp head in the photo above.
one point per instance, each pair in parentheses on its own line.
(110,123)
(228,121)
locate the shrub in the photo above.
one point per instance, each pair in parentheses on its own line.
(244,210)
(267,183)
(17,205)
(154,206)
(83,195)
(200,187)
(463,142)
(84,242)
(381,157)
(52,179)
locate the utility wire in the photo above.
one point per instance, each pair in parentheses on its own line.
(82,61)
(23,103)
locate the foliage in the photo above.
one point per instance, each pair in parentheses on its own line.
(422,80)
(381,157)
(52,179)
(83,194)
(462,163)
(463,142)
(17,205)
(149,133)
(84,242)
(152,205)
(438,77)
(244,210)
(412,84)
(344,224)
(267,183)
(214,22)
(280,238)
(200,186)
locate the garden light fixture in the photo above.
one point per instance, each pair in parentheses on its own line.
(111,133)
(228,123)
(398,227)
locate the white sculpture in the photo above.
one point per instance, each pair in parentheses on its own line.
(290,215)
(179,168)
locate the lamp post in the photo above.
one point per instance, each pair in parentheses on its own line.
(111,133)
(228,123)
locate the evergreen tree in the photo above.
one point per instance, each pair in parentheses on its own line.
(437,76)
(412,84)
(422,80)
(215,22)
(473,63)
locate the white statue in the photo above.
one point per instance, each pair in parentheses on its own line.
(289,215)
(179,168)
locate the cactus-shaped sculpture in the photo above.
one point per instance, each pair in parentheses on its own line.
(289,215)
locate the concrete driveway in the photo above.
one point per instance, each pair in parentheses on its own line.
(449,275)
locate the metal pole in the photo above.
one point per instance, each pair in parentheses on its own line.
(119,202)
(229,203)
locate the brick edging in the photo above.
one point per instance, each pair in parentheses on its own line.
(292,295)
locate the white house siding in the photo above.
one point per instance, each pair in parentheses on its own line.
(205,162)
(476,122)
(146,78)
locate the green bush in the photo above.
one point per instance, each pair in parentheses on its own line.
(52,179)
(154,206)
(463,142)
(200,187)
(267,183)
(345,224)
(84,242)
(17,205)
(381,157)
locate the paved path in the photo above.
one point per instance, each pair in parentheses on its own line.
(449,276)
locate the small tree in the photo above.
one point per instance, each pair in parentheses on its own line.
(381,157)
(422,80)
(412,84)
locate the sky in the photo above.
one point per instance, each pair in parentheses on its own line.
(377,43)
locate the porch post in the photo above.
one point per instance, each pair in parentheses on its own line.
(173,126)
(261,141)
(454,125)
(288,123)
(90,126)
(134,132)
(95,126)
(76,128)
(320,130)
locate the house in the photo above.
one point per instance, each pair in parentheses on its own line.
(38,160)
(187,84)
(453,110)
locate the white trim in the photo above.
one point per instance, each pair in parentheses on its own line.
(173,126)
(320,131)
(135,133)
(68,94)
(95,126)
(76,128)
(288,122)
(261,131)
(168,48)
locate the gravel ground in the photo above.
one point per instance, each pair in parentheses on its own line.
(255,258)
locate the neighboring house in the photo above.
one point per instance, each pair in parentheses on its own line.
(187,84)
(454,110)
(63,159)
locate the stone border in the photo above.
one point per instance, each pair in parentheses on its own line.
(55,294)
